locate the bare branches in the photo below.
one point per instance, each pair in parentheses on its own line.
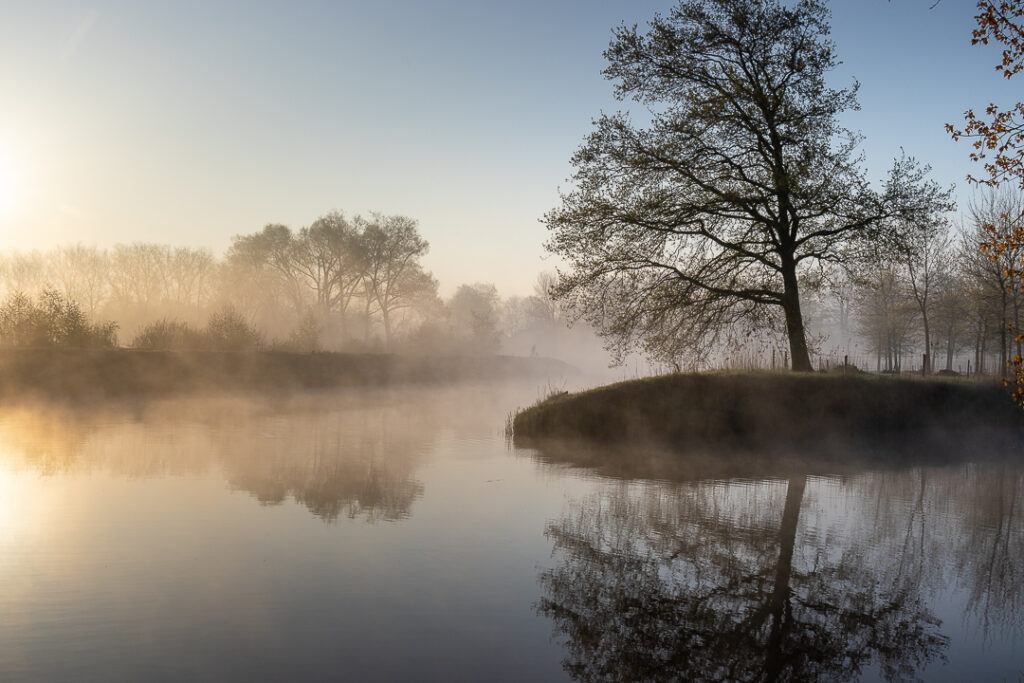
(742,176)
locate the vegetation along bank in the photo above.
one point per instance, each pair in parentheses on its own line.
(74,373)
(769,410)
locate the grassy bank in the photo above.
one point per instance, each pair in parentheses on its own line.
(732,411)
(75,373)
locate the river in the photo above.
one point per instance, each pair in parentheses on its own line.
(398,535)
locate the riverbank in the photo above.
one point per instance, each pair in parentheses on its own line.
(80,373)
(771,411)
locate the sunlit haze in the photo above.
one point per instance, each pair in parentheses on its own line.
(191,122)
(9,186)
(377,340)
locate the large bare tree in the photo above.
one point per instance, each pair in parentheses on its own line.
(705,217)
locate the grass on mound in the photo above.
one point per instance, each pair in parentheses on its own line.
(754,410)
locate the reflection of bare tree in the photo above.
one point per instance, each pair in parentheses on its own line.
(713,582)
(337,454)
(355,462)
(962,526)
(990,557)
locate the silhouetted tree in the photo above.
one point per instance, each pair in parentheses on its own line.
(80,273)
(23,273)
(272,250)
(331,257)
(473,311)
(394,279)
(228,330)
(744,177)
(998,142)
(952,307)
(991,220)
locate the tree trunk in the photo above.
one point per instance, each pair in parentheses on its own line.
(386,317)
(1003,350)
(779,601)
(950,331)
(1016,323)
(981,352)
(794,319)
(926,367)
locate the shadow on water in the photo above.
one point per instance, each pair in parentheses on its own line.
(795,566)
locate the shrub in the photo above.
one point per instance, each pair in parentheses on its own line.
(52,321)
(169,335)
(228,330)
(306,336)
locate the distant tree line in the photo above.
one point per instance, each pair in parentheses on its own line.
(359,285)
(927,299)
(343,284)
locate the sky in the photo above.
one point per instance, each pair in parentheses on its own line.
(186,123)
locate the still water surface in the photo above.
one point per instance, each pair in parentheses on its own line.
(397,536)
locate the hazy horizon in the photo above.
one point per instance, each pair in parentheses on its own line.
(190,124)
(376,340)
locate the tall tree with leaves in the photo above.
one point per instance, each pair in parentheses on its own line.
(743,178)
(998,140)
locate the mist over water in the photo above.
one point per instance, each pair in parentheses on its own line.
(395,534)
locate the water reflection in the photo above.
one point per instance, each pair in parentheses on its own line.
(352,463)
(338,455)
(182,540)
(805,577)
(705,567)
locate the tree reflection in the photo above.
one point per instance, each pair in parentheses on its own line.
(352,463)
(713,581)
(989,557)
(338,455)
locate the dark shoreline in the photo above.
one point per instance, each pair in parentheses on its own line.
(87,373)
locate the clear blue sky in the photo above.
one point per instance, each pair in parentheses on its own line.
(190,122)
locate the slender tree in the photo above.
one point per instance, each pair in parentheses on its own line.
(997,137)
(394,276)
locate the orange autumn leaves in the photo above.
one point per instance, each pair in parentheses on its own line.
(998,141)
(998,135)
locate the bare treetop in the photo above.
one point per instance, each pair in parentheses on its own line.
(676,231)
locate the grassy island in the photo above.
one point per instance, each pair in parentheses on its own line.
(759,411)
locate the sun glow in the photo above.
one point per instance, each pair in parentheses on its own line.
(9,188)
